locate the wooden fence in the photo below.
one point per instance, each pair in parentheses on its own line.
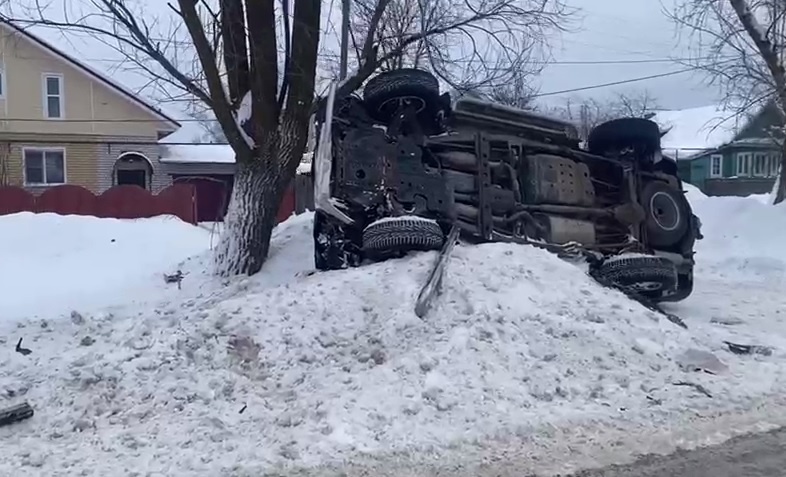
(121,202)
(134,202)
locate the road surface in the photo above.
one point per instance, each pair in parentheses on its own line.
(760,455)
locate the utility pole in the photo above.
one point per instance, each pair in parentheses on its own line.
(344,39)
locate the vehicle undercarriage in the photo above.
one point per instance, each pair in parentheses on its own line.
(397,170)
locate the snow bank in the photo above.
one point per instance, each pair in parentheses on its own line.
(524,357)
(524,364)
(693,193)
(50,264)
(744,236)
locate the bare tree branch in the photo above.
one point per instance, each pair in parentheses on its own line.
(587,113)
(740,45)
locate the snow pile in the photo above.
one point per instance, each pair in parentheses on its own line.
(522,354)
(744,237)
(693,193)
(692,130)
(50,263)
(524,364)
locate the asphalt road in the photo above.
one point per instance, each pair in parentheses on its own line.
(760,455)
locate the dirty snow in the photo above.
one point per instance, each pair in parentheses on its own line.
(524,365)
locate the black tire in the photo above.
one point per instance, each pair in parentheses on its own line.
(336,246)
(644,275)
(397,235)
(383,92)
(622,133)
(668,214)
(684,288)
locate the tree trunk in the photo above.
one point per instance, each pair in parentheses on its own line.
(251,217)
(780,184)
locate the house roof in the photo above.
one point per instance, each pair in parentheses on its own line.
(690,132)
(212,154)
(91,72)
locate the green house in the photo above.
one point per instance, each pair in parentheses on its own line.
(721,156)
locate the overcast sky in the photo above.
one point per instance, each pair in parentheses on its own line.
(607,31)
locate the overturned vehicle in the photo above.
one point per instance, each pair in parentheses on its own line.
(399,168)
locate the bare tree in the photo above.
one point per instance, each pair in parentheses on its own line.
(518,92)
(473,47)
(740,44)
(587,113)
(259,82)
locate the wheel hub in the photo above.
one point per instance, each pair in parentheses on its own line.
(665,211)
(394,104)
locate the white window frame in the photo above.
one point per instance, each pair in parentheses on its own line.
(775,164)
(713,158)
(744,163)
(44,150)
(45,95)
(764,164)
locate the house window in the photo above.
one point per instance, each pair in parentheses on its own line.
(774,165)
(716,165)
(53,96)
(2,82)
(760,164)
(743,164)
(44,166)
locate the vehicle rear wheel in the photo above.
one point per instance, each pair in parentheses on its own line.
(387,91)
(402,234)
(618,134)
(643,275)
(668,214)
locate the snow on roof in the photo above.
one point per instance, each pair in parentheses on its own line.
(90,71)
(212,154)
(198,153)
(691,131)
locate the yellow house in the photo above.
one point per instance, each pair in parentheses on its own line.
(63,122)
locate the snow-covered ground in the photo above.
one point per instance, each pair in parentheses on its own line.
(50,263)
(524,365)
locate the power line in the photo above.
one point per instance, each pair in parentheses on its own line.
(194,120)
(616,83)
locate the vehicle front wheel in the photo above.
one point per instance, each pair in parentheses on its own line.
(397,235)
(642,275)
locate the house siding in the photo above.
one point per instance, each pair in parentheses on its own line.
(90,106)
(80,158)
(699,171)
(730,184)
(96,126)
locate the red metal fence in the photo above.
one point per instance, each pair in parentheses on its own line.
(120,202)
(124,202)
